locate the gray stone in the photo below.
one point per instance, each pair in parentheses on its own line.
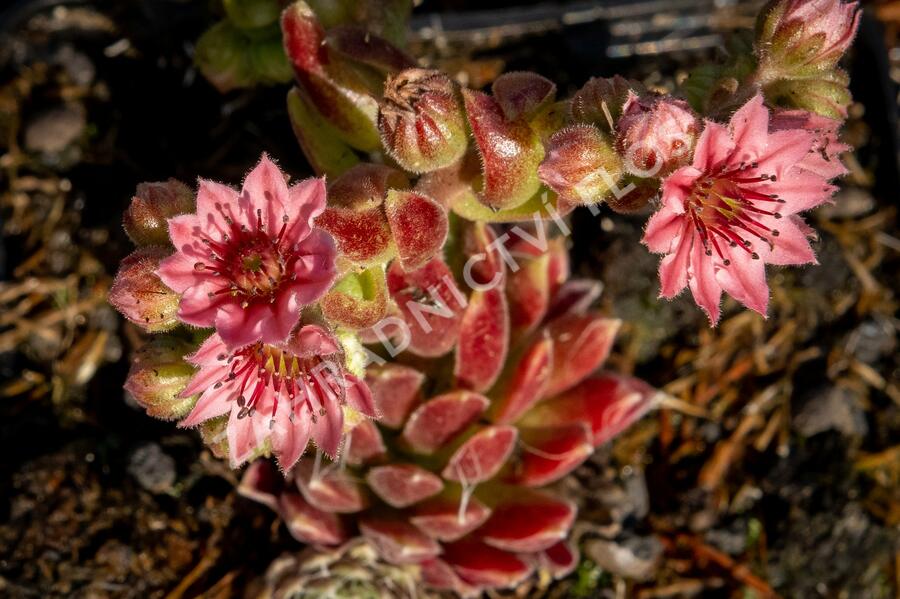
(633,557)
(836,409)
(153,469)
(53,130)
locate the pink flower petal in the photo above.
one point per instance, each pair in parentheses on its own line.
(792,244)
(240,326)
(749,129)
(745,280)
(266,189)
(673,269)
(306,201)
(714,147)
(662,230)
(290,437)
(210,405)
(704,286)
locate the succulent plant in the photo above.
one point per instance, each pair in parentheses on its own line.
(439,357)
(495,398)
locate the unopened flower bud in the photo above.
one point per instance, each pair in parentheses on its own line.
(581,165)
(599,102)
(827,96)
(421,120)
(159,374)
(510,152)
(655,136)
(803,37)
(153,204)
(139,294)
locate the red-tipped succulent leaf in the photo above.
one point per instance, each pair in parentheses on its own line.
(528,521)
(308,524)
(431,305)
(609,403)
(398,541)
(395,388)
(482,455)
(450,516)
(439,420)
(550,452)
(330,489)
(402,485)
(480,564)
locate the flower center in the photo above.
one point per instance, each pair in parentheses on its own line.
(261,368)
(725,208)
(254,261)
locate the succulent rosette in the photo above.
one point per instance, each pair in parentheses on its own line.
(451,476)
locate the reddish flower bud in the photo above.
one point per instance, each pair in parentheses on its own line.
(522,94)
(510,153)
(804,36)
(372,218)
(140,295)
(599,102)
(655,136)
(421,120)
(159,374)
(799,43)
(153,204)
(581,166)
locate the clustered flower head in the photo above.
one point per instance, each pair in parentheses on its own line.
(246,262)
(735,208)
(248,265)
(410,311)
